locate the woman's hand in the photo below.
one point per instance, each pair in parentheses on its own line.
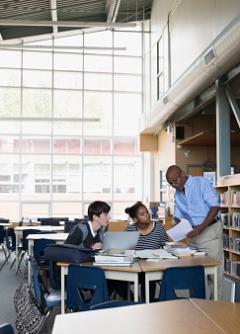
(97,245)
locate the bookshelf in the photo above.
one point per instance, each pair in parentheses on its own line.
(230,217)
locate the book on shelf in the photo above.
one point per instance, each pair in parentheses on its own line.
(224,218)
(224,198)
(235,200)
(236,220)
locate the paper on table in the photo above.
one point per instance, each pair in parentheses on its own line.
(180,231)
(154,254)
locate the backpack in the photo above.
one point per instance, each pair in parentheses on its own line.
(68,253)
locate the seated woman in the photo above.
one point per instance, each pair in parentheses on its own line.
(152,234)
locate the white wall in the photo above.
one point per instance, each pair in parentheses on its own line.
(193,26)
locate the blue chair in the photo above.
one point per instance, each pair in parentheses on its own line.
(39,247)
(69,225)
(2,236)
(114,303)
(24,247)
(49,221)
(43,299)
(86,286)
(182,282)
(11,243)
(6,329)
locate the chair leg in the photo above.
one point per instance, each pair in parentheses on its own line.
(44,326)
(4,251)
(6,258)
(20,261)
(12,264)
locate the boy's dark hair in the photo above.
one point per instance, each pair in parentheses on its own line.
(96,208)
(132,210)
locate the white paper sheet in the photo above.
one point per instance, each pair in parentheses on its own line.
(154,254)
(180,230)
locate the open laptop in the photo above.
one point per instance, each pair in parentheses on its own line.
(120,240)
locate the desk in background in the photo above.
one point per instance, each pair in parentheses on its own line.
(58,237)
(19,233)
(178,316)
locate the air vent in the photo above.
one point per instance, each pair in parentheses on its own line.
(209,56)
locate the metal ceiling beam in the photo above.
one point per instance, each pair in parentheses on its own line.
(222,131)
(113,9)
(59,47)
(67,24)
(53,6)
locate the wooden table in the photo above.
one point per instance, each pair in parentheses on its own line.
(154,270)
(224,315)
(128,274)
(58,237)
(5,224)
(178,316)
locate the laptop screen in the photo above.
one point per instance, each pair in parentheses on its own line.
(120,240)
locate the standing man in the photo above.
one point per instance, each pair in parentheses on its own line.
(197,201)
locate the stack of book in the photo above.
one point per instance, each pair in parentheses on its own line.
(114,258)
(179,249)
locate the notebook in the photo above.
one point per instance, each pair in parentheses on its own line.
(120,240)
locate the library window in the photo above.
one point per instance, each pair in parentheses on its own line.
(68,124)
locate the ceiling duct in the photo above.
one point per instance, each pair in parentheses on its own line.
(217,59)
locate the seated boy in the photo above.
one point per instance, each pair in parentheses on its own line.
(90,234)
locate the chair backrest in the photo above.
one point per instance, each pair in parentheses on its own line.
(49,221)
(6,329)
(61,219)
(182,282)
(114,303)
(86,286)
(39,247)
(69,225)
(4,221)
(10,239)
(25,234)
(2,234)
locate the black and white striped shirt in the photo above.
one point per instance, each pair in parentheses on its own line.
(153,240)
